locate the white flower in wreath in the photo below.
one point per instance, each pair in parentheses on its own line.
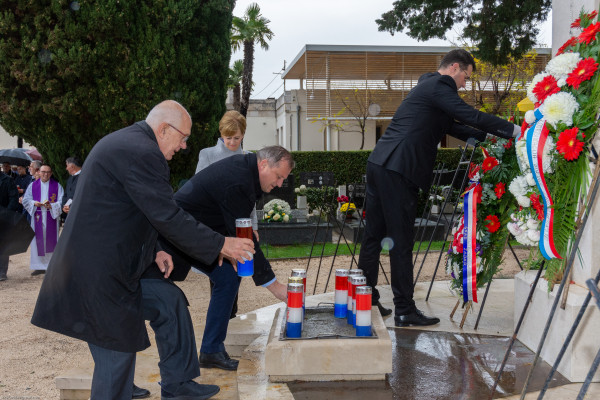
(533,235)
(532,224)
(286,218)
(536,79)
(457,269)
(479,264)
(524,201)
(559,107)
(518,186)
(530,117)
(562,65)
(514,229)
(561,82)
(521,150)
(529,179)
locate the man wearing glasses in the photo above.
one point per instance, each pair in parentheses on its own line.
(402,162)
(92,289)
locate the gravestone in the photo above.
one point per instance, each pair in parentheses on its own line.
(357,193)
(317,179)
(285,192)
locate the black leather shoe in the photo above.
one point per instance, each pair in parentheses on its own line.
(38,272)
(140,393)
(189,390)
(415,318)
(218,360)
(382,310)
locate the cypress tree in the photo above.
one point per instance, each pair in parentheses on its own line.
(74,71)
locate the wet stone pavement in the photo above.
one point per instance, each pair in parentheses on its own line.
(440,365)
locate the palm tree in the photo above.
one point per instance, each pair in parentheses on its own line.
(235,77)
(252,28)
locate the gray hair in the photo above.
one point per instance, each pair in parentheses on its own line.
(275,154)
(37,164)
(168,111)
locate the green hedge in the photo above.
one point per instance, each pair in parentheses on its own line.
(350,166)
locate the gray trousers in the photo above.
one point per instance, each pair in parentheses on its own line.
(113,374)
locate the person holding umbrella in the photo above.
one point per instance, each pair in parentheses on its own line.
(9,200)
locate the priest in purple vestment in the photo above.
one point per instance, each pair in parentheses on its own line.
(43,200)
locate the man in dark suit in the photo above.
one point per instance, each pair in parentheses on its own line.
(216,196)
(402,162)
(123,201)
(73,167)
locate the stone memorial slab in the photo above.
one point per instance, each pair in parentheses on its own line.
(317,179)
(285,192)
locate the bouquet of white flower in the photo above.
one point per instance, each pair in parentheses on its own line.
(277,210)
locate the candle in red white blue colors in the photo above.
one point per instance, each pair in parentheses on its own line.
(341,293)
(363,311)
(356,282)
(302,274)
(351,273)
(298,279)
(293,328)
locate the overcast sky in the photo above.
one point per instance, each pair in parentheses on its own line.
(300,22)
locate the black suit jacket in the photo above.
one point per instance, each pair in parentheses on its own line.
(217,196)
(70,188)
(431,110)
(92,290)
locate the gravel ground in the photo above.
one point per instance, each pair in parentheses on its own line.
(30,357)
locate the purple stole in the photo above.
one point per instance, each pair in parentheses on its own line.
(51,223)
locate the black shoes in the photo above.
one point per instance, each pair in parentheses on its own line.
(189,390)
(38,272)
(415,318)
(140,393)
(218,360)
(382,310)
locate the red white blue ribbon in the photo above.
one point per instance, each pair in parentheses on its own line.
(469,244)
(537,135)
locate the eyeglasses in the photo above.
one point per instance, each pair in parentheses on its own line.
(467,77)
(185,137)
(45,172)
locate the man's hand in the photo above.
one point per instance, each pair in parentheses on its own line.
(279,290)
(516,131)
(66,209)
(164,262)
(234,249)
(256,235)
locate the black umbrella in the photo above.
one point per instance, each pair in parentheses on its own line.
(15,232)
(15,157)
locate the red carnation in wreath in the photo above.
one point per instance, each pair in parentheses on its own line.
(537,205)
(500,189)
(508,144)
(546,87)
(489,164)
(492,223)
(571,42)
(568,145)
(584,71)
(588,17)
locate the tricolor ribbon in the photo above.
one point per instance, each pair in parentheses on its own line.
(469,244)
(537,135)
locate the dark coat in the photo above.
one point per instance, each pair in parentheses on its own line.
(9,195)
(91,290)
(431,110)
(217,196)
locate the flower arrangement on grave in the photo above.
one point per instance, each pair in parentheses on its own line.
(553,148)
(276,210)
(475,254)
(301,190)
(348,209)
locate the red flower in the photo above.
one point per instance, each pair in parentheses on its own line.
(492,223)
(571,42)
(508,144)
(586,17)
(343,199)
(545,88)
(584,70)
(568,145)
(489,164)
(589,34)
(493,139)
(473,170)
(537,205)
(500,189)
